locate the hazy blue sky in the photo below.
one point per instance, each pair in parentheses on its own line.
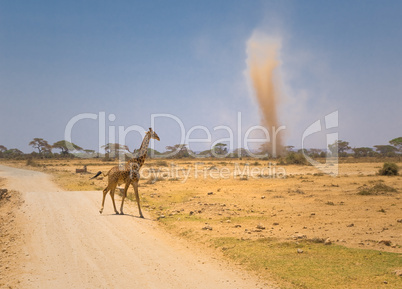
(133,59)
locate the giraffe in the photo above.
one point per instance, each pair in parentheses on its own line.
(128,174)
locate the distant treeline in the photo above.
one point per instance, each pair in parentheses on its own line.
(288,154)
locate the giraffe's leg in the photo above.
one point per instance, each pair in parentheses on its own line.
(124,196)
(137,197)
(103,200)
(112,196)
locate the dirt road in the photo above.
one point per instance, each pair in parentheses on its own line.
(68,244)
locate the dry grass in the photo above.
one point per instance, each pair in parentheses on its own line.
(377,189)
(262,215)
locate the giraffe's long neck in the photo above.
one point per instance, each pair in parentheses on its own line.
(144,146)
(142,153)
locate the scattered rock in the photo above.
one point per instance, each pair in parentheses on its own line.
(299,236)
(228,221)
(317,240)
(299,251)
(350,225)
(399,220)
(237,226)
(327,242)
(275,224)
(260,227)
(312,214)
(398,272)
(191,213)
(207,228)
(385,242)
(210,193)
(263,197)
(161,217)
(3,193)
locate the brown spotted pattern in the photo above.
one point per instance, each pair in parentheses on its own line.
(128,174)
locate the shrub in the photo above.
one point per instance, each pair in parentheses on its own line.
(281,162)
(295,159)
(389,169)
(377,189)
(31,162)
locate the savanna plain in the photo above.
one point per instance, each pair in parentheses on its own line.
(291,224)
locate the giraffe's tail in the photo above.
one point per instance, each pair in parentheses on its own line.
(97,174)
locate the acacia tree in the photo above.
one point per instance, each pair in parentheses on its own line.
(386,150)
(339,148)
(219,149)
(363,152)
(316,153)
(115,149)
(41,145)
(179,151)
(288,149)
(66,146)
(397,142)
(13,153)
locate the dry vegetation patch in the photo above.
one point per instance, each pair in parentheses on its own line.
(308,229)
(376,189)
(10,237)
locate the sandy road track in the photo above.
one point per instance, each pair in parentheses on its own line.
(68,244)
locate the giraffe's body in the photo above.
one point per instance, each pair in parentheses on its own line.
(127,174)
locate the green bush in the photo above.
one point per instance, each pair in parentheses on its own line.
(295,159)
(389,169)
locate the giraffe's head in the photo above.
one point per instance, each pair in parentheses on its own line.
(153,134)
